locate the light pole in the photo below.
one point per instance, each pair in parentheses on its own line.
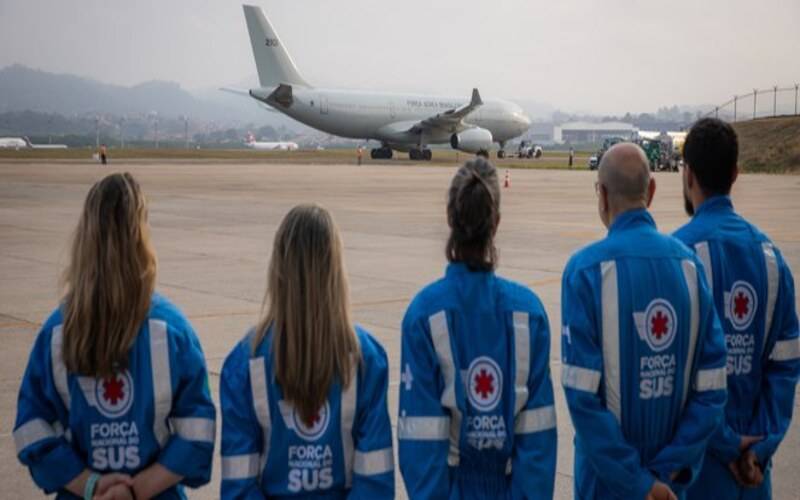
(755,97)
(795,97)
(97,132)
(122,132)
(186,130)
(735,99)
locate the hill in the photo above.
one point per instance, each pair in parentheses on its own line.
(769,144)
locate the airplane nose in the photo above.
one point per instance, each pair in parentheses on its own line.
(523,121)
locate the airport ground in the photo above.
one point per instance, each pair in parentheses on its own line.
(213,224)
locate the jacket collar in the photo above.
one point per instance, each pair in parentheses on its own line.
(719,203)
(632,219)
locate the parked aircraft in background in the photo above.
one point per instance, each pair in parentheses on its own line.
(25,143)
(252,143)
(403,122)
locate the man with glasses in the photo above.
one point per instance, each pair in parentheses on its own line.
(643,352)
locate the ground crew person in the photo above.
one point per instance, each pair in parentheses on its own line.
(359,153)
(754,296)
(643,352)
(114,402)
(303,395)
(571,157)
(476,401)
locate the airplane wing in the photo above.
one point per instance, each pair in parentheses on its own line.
(450,119)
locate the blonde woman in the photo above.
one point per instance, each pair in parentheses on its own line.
(114,402)
(303,395)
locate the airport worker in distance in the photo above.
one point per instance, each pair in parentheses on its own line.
(303,395)
(643,351)
(115,401)
(476,400)
(754,296)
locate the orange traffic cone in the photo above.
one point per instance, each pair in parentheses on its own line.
(507,183)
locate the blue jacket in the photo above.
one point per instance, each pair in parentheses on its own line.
(268,451)
(754,295)
(476,400)
(158,410)
(643,361)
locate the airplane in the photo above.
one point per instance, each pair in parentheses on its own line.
(25,143)
(402,122)
(252,143)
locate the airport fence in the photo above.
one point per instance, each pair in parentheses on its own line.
(760,103)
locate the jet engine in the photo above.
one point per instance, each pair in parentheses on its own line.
(472,140)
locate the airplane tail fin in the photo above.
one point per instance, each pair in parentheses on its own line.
(274,64)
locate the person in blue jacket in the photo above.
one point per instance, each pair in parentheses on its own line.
(643,352)
(303,395)
(115,402)
(754,296)
(476,401)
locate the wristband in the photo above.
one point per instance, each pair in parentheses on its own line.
(91,484)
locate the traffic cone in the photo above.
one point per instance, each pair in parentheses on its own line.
(507,183)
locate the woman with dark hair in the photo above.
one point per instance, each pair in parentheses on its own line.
(303,395)
(115,401)
(476,401)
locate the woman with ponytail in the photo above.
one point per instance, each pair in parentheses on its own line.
(476,401)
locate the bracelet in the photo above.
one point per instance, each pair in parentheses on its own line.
(91,484)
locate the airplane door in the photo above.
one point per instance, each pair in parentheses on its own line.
(323,106)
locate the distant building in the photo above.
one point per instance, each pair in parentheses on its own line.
(592,133)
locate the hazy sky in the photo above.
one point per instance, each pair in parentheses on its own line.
(599,56)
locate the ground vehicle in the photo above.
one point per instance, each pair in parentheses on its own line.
(525,150)
(594,161)
(660,153)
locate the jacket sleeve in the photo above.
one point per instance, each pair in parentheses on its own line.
(373,462)
(781,371)
(617,464)
(533,465)
(190,448)
(241,433)
(41,418)
(423,427)
(705,403)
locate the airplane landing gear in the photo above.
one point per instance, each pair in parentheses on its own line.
(501,153)
(420,154)
(382,153)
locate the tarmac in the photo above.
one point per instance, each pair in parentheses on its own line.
(213,224)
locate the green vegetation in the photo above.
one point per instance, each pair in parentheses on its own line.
(441,157)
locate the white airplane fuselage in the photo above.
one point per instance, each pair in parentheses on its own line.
(387,117)
(407,122)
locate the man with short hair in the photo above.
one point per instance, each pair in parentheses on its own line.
(754,295)
(643,352)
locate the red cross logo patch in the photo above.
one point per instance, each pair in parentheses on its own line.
(114,394)
(657,324)
(484,383)
(740,304)
(318,425)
